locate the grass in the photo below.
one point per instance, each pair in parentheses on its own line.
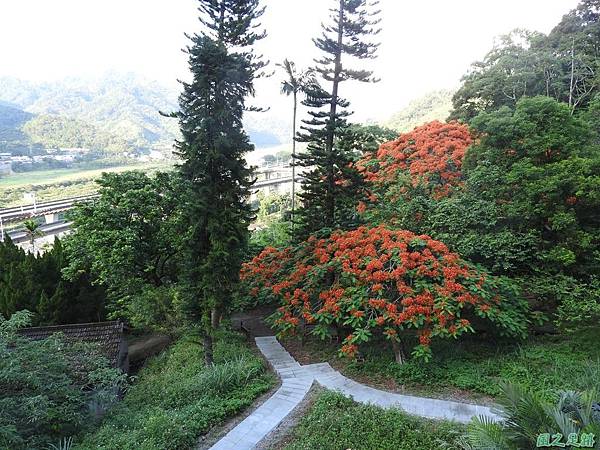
(43,177)
(471,369)
(336,422)
(176,398)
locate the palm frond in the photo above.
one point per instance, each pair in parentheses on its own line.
(485,434)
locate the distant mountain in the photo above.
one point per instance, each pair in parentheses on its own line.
(12,137)
(119,109)
(12,119)
(122,105)
(434,106)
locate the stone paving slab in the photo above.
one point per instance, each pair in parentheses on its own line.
(261,422)
(296,382)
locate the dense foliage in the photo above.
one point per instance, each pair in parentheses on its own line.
(538,165)
(521,198)
(54,131)
(563,65)
(47,386)
(130,239)
(272,227)
(177,397)
(335,422)
(426,160)
(330,188)
(35,283)
(374,280)
(531,422)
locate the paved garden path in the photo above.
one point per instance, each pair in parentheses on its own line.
(296,382)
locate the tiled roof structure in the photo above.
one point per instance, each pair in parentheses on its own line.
(108,335)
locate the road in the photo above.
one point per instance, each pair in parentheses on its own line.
(19,213)
(20,236)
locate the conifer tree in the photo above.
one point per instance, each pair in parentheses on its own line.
(332,188)
(213,147)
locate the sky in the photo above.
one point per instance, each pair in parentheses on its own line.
(425,44)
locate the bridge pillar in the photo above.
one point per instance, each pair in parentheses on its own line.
(51,218)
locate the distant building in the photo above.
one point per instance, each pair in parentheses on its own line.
(64,158)
(74,150)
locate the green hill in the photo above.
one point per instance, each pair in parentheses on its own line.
(115,112)
(60,131)
(124,107)
(434,106)
(12,138)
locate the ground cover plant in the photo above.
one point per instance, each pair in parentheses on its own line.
(570,421)
(176,398)
(473,368)
(45,386)
(335,422)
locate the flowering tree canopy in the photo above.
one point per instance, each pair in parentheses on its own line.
(376,280)
(430,156)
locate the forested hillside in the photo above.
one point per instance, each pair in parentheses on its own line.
(116,112)
(61,131)
(125,106)
(563,65)
(12,138)
(435,105)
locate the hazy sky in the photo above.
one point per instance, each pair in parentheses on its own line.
(425,44)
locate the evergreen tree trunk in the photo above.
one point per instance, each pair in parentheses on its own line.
(294,159)
(215,318)
(331,126)
(208,349)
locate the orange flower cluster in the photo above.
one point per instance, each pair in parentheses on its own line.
(373,279)
(431,155)
(267,264)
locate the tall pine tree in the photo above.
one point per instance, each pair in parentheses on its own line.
(332,188)
(213,147)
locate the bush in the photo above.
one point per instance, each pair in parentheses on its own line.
(378,281)
(45,386)
(528,418)
(177,398)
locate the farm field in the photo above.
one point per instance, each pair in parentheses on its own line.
(59,183)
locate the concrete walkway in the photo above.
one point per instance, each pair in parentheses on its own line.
(296,382)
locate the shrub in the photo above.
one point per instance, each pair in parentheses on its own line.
(44,386)
(527,418)
(375,280)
